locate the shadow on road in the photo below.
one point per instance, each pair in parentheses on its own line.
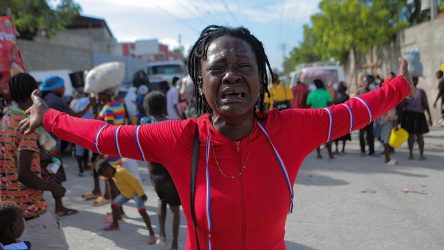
(296,246)
(132,230)
(319,180)
(354,163)
(93,222)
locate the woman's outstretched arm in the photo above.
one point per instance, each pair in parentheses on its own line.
(324,125)
(148,142)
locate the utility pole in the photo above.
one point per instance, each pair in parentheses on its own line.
(179,41)
(284,52)
(284,49)
(433,10)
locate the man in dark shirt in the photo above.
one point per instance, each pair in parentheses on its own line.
(439,76)
(366,134)
(53,90)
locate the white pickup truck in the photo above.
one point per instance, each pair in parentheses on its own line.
(165,71)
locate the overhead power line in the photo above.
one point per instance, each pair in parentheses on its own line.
(178,20)
(191,12)
(224,21)
(231,13)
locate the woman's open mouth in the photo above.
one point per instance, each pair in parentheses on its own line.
(233,96)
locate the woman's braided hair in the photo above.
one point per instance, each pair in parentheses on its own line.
(199,52)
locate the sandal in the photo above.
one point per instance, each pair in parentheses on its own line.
(110,227)
(152,240)
(67,212)
(162,241)
(89,196)
(100,201)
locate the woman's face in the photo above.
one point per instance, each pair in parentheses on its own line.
(103,97)
(230,77)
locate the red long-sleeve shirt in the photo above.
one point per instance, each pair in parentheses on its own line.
(248,212)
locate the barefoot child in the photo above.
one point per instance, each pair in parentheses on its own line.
(130,188)
(12,225)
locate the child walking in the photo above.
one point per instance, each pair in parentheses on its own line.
(130,188)
(155,104)
(12,225)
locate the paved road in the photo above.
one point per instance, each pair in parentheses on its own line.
(351,202)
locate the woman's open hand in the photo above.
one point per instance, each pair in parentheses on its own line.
(403,71)
(35,114)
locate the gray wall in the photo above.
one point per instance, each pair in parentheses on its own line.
(47,56)
(99,37)
(74,49)
(132,65)
(428,37)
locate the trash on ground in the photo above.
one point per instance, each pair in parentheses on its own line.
(407,190)
(369,190)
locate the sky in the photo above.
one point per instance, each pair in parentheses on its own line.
(277,23)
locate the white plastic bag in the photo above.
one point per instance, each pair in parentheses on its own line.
(413,58)
(46,141)
(104,76)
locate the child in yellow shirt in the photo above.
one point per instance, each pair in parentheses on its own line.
(130,188)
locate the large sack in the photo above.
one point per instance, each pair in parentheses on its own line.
(413,58)
(104,76)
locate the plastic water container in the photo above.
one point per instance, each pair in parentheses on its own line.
(398,137)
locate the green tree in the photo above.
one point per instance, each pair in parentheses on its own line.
(304,53)
(38,16)
(355,25)
(342,26)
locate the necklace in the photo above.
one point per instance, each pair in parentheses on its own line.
(241,170)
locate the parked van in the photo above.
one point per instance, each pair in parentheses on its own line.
(329,72)
(165,71)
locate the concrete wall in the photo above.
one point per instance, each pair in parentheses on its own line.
(47,56)
(69,49)
(428,37)
(101,40)
(132,65)
(67,38)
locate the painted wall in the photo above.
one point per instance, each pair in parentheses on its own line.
(428,37)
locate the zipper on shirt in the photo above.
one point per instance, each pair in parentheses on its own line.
(242,196)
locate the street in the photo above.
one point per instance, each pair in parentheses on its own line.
(351,202)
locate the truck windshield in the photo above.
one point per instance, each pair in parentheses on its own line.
(164,69)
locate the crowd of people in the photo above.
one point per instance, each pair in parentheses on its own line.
(222,121)
(39,165)
(409,115)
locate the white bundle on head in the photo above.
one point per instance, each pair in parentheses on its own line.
(104,76)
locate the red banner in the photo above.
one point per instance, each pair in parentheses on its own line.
(11,61)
